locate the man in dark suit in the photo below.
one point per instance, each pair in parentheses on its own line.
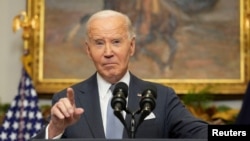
(80,111)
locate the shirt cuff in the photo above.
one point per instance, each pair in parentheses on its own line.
(47,134)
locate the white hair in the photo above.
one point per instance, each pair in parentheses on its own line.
(109,13)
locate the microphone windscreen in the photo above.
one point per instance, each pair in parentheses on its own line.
(152,89)
(121,86)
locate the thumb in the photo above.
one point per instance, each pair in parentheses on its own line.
(79,111)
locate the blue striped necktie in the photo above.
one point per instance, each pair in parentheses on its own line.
(114,127)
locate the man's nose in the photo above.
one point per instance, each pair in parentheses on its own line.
(108,49)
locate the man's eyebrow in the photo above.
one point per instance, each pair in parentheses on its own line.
(96,38)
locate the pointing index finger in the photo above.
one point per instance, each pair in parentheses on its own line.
(71,96)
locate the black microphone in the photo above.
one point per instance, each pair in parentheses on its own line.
(120,94)
(147,103)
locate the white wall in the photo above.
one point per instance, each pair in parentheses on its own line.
(11,52)
(10,49)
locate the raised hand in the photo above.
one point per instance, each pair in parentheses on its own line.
(63,114)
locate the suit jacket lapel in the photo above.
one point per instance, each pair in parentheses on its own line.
(92,112)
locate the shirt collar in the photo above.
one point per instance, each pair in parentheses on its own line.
(103,85)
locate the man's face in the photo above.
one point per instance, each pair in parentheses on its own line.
(110,47)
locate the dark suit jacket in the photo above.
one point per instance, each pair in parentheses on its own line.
(172,119)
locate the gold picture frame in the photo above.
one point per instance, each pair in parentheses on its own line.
(49,79)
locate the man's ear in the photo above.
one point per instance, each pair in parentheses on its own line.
(87,49)
(132,46)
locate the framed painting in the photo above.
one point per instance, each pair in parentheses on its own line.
(185,44)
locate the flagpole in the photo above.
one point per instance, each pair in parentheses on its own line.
(22,97)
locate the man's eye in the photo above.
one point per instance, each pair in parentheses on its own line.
(99,43)
(116,42)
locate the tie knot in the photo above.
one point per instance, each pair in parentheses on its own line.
(112,87)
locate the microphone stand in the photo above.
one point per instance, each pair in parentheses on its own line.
(132,128)
(133,124)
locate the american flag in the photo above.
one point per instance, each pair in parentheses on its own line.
(24,118)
